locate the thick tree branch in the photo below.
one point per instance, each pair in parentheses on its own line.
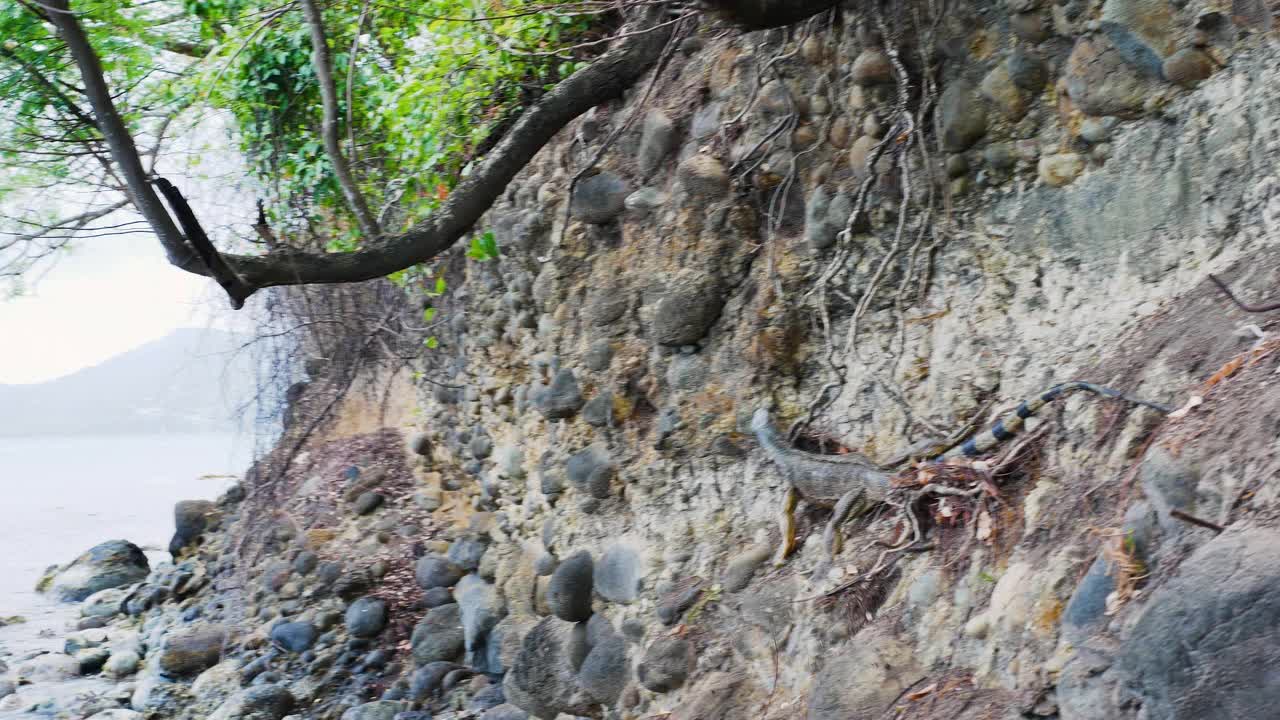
(604,79)
(200,241)
(329,129)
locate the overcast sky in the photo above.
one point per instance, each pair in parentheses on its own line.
(105,297)
(110,295)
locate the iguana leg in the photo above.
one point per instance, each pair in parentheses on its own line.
(787,523)
(844,508)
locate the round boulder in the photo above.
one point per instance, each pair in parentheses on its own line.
(687,311)
(366,617)
(189,651)
(569,592)
(112,564)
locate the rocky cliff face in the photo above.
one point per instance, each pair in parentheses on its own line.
(898,225)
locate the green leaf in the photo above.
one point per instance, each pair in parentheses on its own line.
(432,343)
(428,315)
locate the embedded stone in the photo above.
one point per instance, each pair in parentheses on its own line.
(562,399)
(1061,169)
(688,310)
(872,67)
(962,116)
(569,593)
(599,198)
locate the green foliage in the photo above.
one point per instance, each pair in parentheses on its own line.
(423,86)
(483,247)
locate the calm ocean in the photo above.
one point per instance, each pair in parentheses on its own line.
(59,496)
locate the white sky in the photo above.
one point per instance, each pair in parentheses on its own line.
(105,297)
(110,295)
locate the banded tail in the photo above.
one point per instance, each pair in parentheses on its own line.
(1007,428)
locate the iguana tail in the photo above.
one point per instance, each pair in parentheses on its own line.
(1007,427)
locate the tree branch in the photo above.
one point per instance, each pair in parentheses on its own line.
(329,130)
(118,139)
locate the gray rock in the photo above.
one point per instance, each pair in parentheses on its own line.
(48,667)
(122,664)
(7,687)
(542,680)
(481,446)
(368,502)
(706,121)
(1100,81)
(1209,640)
(91,660)
(598,356)
(645,199)
(737,575)
(435,571)
(466,552)
(480,609)
(599,198)
(562,399)
(296,637)
(426,680)
(545,564)
(598,412)
(598,629)
(439,636)
(104,603)
(109,565)
(825,216)
(865,680)
(305,563)
(962,116)
(687,311)
(155,696)
(366,617)
(687,373)
(657,138)
(617,574)
(190,517)
(1169,484)
(77,641)
(437,596)
(667,663)
(1027,69)
(569,593)
(113,714)
(259,702)
(606,305)
(490,696)
(606,669)
(1088,604)
(188,651)
(591,470)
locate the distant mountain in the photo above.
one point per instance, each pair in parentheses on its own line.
(189,381)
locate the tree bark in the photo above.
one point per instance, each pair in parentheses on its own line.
(329,129)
